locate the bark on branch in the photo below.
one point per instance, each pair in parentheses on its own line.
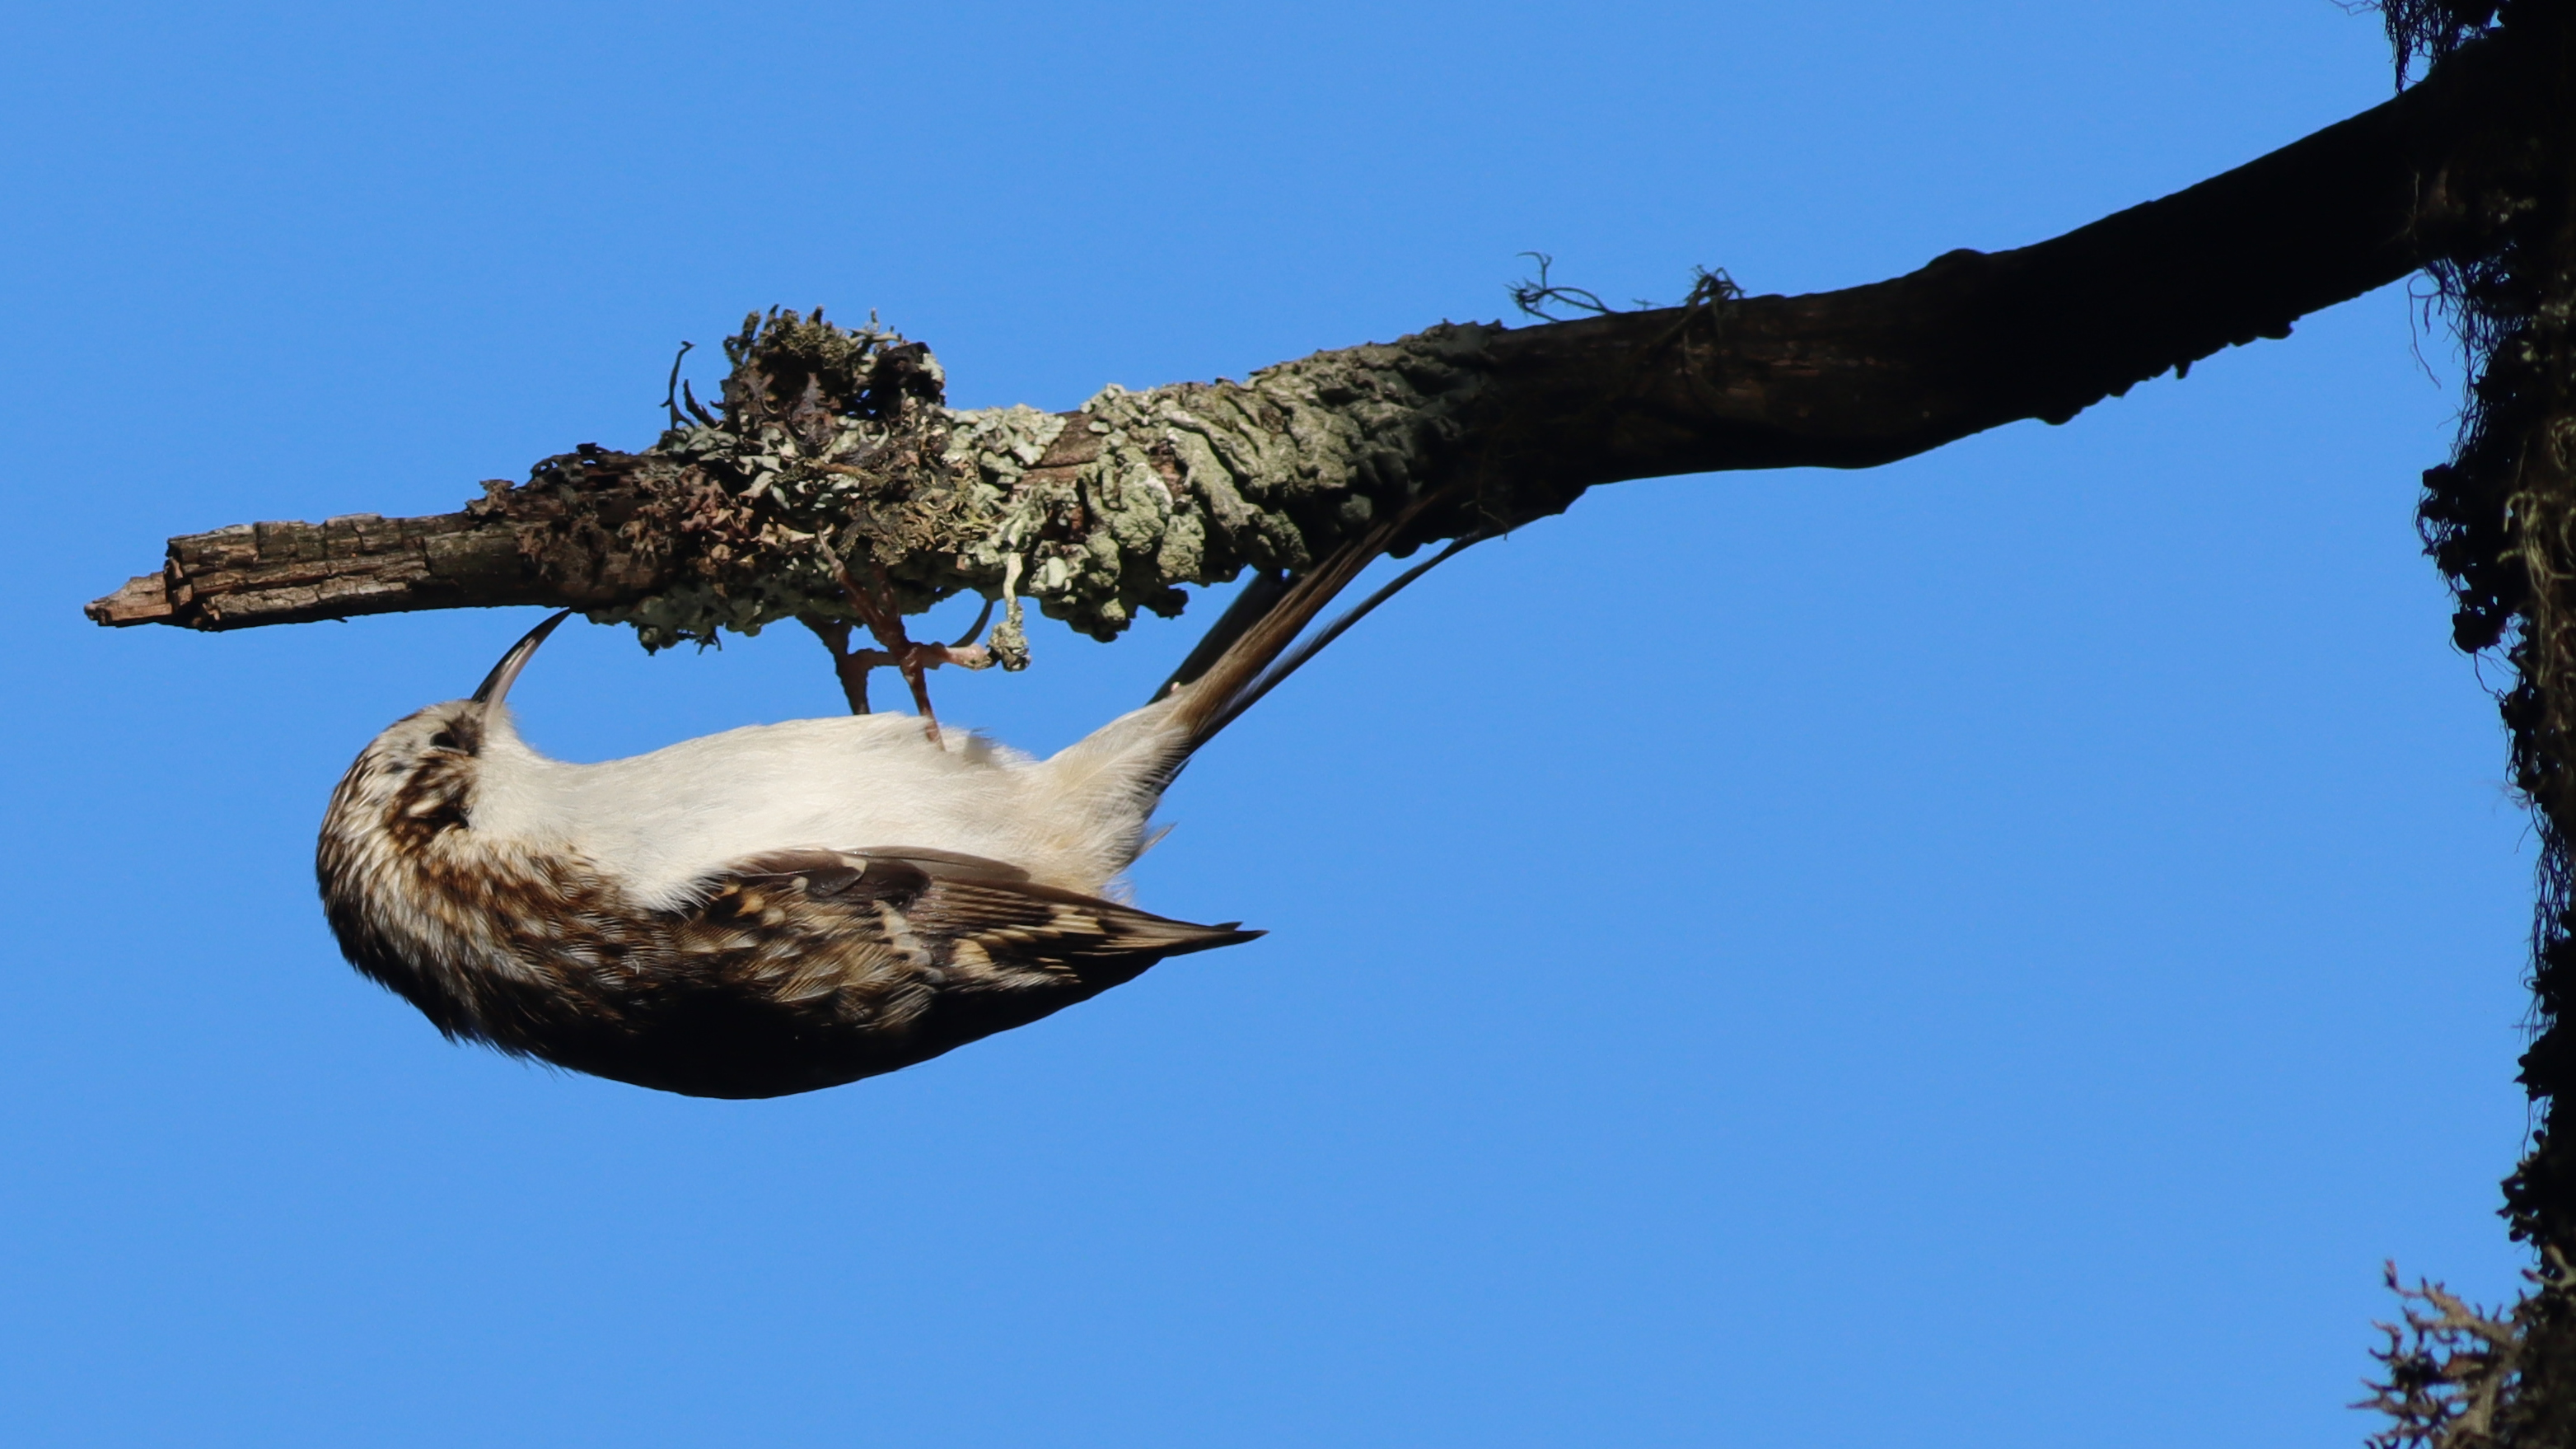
(844,438)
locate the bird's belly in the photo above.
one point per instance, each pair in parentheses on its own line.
(661,824)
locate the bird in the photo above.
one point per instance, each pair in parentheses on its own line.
(787,907)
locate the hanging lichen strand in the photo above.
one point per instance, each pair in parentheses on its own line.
(834,444)
(2500,520)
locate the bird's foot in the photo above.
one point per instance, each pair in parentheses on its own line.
(913,660)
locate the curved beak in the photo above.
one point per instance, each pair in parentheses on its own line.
(496,685)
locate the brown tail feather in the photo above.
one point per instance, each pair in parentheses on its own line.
(1256,655)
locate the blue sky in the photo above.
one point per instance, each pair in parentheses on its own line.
(1991,950)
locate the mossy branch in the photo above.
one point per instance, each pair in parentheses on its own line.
(842,438)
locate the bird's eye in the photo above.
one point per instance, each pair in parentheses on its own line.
(443,740)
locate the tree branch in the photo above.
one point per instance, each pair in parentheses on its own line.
(843,438)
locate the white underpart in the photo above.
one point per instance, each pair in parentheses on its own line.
(662,823)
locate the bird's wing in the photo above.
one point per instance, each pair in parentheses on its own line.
(949,863)
(886,932)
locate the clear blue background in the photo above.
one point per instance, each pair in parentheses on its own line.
(1989,951)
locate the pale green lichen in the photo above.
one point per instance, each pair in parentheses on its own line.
(836,443)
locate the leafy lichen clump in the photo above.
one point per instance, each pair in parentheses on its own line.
(835,446)
(2454,1376)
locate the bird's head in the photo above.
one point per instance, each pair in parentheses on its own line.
(411,891)
(416,780)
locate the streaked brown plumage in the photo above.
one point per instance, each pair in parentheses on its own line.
(799,970)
